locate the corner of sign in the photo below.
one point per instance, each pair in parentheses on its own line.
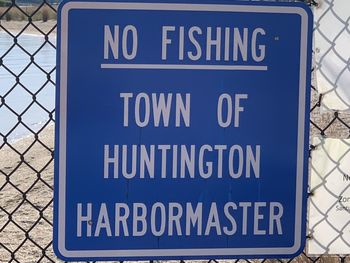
(65,6)
(60,250)
(62,4)
(297,248)
(304,10)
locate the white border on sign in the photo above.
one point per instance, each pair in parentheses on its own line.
(63,128)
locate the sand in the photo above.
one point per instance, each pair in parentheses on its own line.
(16,27)
(27,193)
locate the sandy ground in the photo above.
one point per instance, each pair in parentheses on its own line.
(28,193)
(16,27)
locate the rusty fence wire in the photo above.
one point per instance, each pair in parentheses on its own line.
(27,116)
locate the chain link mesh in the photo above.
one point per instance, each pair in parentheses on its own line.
(26,164)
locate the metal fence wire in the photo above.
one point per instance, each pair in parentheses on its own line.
(26,165)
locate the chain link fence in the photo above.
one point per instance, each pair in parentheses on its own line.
(27,87)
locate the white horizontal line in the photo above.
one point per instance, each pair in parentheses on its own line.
(183,66)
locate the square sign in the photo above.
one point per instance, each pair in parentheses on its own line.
(182,130)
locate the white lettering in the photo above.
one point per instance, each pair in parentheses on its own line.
(133,31)
(209,165)
(182,110)
(121,219)
(193,218)
(261,56)
(81,219)
(161,208)
(174,218)
(230,218)
(126,97)
(103,222)
(165,40)
(111,42)
(213,220)
(139,218)
(146,109)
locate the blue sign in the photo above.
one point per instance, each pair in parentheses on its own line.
(182,130)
